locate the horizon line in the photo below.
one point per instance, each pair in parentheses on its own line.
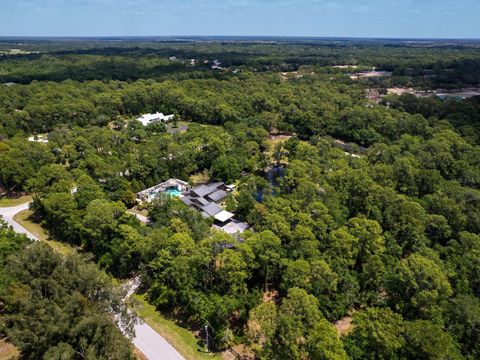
(313,37)
(232,37)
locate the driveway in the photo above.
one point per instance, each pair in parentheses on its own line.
(9,212)
(147,340)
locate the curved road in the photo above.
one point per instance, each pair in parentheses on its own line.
(147,340)
(9,212)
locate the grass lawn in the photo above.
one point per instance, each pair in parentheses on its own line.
(143,212)
(272,142)
(182,339)
(6,202)
(24,219)
(138,354)
(181,127)
(200,178)
(8,351)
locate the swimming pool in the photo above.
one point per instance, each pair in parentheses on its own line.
(173,192)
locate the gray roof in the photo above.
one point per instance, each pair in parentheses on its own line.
(199,201)
(217,195)
(204,190)
(187,200)
(201,190)
(212,209)
(215,185)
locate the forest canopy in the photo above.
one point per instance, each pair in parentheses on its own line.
(372,222)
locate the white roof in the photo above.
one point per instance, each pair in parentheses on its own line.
(148,118)
(233,227)
(223,216)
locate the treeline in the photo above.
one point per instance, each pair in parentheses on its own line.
(312,105)
(90,67)
(132,157)
(450,65)
(463,115)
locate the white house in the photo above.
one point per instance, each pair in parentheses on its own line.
(149,118)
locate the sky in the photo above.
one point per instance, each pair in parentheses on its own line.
(325,18)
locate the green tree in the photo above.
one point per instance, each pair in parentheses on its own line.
(261,327)
(427,341)
(377,334)
(464,324)
(324,343)
(298,316)
(54,305)
(267,249)
(417,287)
(226,168)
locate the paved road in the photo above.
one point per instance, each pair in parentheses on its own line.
(152,345)
(9,212)
(149,342)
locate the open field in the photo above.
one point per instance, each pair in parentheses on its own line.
(24,218)
(182,339)
(182,126)
(458,93)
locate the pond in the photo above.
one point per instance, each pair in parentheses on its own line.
(274,176)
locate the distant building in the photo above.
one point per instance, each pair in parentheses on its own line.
(149,118)
(216,64)
(370,74)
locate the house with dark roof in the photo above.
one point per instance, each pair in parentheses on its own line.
(217,195)
(206,199)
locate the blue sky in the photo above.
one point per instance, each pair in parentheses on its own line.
(358,18)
